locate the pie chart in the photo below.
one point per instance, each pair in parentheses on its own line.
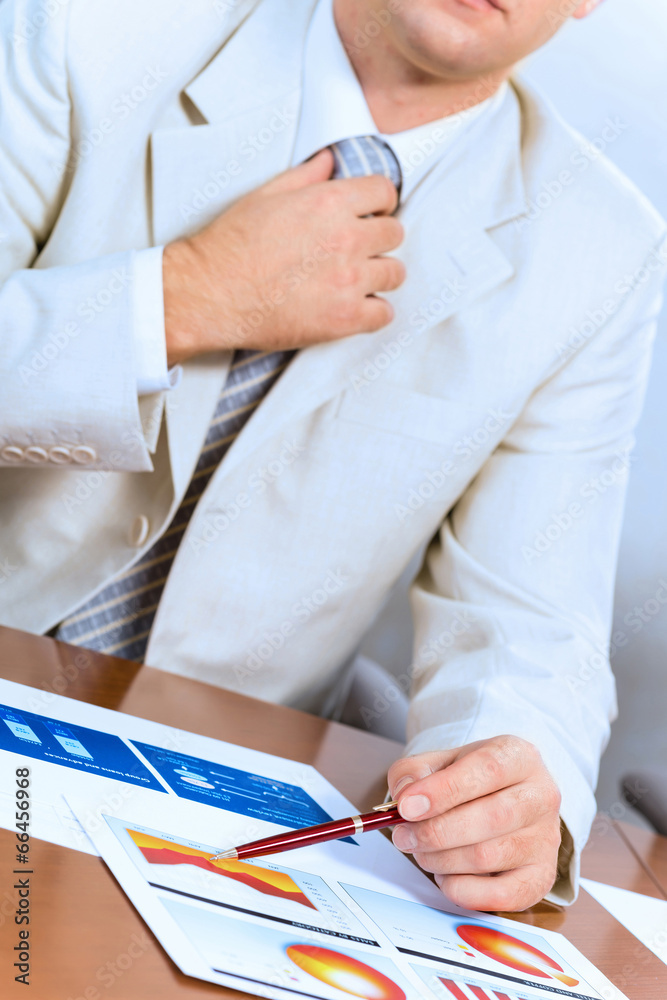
(510,951)
(344,973)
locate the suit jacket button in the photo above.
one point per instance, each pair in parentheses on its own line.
(139,531)
(60,455)
(83,454)
(36,454)
(12,454)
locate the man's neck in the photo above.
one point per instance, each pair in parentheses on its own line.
(399,94)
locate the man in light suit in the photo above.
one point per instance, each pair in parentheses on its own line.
(469,368)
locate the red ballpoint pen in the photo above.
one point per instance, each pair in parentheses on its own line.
(385,815)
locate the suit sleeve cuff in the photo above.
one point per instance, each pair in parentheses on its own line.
(149,341)
(566,886)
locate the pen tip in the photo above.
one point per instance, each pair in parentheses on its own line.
(230,855)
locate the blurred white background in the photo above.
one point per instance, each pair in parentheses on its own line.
(613,63)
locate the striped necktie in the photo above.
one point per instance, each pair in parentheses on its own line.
(119,618)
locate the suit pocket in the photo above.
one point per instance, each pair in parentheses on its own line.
(401,411)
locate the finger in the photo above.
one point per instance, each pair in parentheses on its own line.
(375,314)
(502,854)
(496,815)
(486,769)
(374,195)
(380,234)
(410,769)
(316,170)
(384,274)
(510,891)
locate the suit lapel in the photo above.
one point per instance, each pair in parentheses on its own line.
(199,171)
(248,98)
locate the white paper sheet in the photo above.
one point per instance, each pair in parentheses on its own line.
(71,746)
(643,916)
(349,918)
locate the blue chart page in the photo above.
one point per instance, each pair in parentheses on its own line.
(83,749)
(237,791)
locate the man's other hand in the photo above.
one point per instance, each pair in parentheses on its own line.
(296,262)
(484,819)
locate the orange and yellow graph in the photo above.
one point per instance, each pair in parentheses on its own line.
(344,972)
(518,955)
(165,852)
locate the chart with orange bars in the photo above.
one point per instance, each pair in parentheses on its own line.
(259,889)
(447,986)
(466,991)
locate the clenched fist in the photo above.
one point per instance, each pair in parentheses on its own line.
(484,819)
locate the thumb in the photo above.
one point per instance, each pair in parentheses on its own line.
(316,170)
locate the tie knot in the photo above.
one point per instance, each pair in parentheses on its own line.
(365,155)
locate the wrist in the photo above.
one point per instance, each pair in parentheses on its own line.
(193,319)
(179,315)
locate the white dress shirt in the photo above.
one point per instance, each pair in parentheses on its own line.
(333,108)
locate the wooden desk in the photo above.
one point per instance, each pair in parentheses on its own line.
(650,850)
(88,940)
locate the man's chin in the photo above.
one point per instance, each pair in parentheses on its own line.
(453,43)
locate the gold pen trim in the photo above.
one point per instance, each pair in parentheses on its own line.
(230,855)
